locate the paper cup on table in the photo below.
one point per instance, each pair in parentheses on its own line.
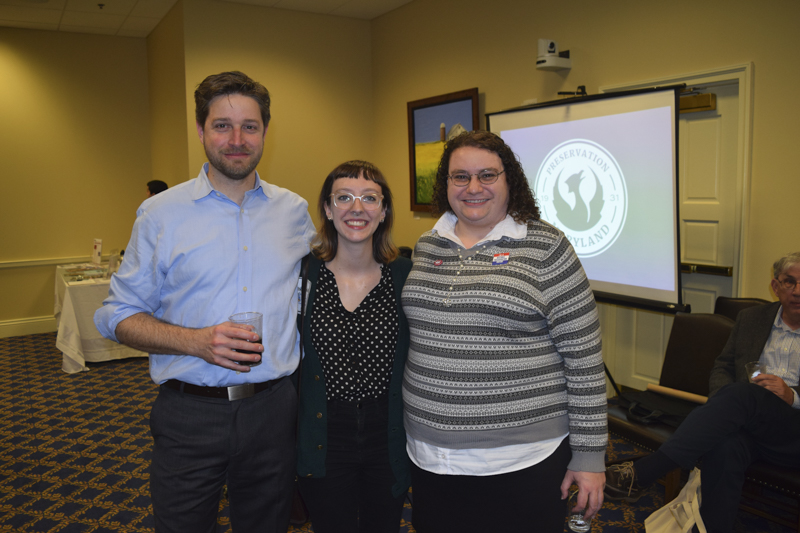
(250,319)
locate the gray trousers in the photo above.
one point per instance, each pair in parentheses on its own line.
(200,444)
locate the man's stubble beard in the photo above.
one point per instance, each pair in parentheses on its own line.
(231,171)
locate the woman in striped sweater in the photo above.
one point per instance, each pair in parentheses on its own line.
(504,390)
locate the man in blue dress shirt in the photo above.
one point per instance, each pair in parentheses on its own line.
(223,243)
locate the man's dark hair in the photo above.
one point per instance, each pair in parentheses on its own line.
(226,83)
(521,204)
(156,186)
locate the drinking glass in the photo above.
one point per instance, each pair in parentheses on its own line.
(754,368)
(576,522)
(250,319)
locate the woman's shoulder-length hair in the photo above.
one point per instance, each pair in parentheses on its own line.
(326,243)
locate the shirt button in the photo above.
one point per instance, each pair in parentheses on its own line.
(319,447)
(245,289)
(316,378)
(319,415)
(241,210)
(245,248)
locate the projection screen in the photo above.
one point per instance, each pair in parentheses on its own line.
(604,170)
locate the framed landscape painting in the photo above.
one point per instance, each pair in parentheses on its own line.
(431,122)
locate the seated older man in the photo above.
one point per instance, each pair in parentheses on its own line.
(742,422)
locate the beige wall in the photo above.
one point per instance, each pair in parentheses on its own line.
(100,106)
(75,148)
(317,69)
(431,47)
(166,75)
(93,118)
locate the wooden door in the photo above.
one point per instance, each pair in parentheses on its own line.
(707,193)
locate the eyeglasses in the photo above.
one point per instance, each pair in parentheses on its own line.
(486,177)
(789,283)
(345,200)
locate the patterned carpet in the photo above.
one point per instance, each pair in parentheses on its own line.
(75,451)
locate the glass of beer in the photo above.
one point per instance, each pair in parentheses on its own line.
(255,320)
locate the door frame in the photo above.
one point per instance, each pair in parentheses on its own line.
(743,75)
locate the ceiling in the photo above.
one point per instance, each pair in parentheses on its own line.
(137,18)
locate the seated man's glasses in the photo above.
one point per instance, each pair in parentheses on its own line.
(345,200)
(788,283)
(486,177)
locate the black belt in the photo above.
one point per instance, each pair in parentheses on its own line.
(236,392)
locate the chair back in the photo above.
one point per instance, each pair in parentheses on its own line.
(694,343)
(730,307)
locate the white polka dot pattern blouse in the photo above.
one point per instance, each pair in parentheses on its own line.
(356,348)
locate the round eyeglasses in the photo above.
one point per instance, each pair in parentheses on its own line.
(345,200)
(788,284)
(486,177)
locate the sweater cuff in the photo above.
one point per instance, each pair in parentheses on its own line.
(588,461)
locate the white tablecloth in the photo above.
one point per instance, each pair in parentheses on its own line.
(78,339)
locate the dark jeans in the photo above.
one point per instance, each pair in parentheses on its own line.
(203,443)
(525,500)
(740,424)
(355,495)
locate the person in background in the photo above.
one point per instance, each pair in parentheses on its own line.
(223,243)
(155,186)
(504,391)
(352,465)
(742,421)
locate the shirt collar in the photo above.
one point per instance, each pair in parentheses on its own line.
(203,187)
(508,227)
(780,324)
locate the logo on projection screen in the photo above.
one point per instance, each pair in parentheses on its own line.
(581,190)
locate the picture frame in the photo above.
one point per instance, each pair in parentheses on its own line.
(431,121)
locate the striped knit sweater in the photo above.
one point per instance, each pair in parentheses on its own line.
(503,352)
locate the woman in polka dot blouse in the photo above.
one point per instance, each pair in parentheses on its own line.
(352,463)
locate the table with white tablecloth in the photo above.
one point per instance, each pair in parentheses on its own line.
(75,304)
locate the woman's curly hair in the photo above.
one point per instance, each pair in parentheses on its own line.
(521,203)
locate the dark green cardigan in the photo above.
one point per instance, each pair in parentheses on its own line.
(312,432)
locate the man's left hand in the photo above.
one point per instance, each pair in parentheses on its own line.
(590,488)
(776,385)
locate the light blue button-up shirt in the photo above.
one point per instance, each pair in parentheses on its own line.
(782,354)
(196,257)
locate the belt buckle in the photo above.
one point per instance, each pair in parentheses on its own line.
(240,392)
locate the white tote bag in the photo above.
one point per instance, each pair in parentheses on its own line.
(679,515)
